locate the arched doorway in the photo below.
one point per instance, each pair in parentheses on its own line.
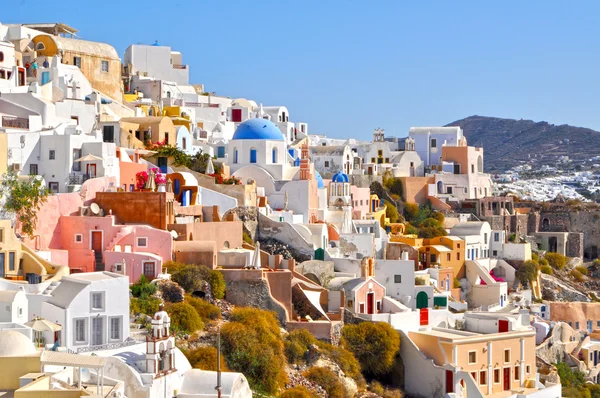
(545,224)
(422,300)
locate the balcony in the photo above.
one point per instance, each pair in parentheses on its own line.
(176,66)
(15,122)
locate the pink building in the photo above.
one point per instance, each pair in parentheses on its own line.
(360,201)
(97,244)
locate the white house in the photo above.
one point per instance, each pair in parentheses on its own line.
(13,306)
(428,141)
(156,61)
(93,309)
(398,277)
(477,236)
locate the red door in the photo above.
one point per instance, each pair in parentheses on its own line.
(506,379)
(502,325)
(370,302)
(91,170)
(236,115)
(424,316)
(97,241)
(449,381)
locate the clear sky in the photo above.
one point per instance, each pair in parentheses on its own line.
(346,67)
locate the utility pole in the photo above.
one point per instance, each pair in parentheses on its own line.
(218,387)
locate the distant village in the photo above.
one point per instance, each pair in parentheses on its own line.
(154,234)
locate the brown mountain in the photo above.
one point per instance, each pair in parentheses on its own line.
(508,142)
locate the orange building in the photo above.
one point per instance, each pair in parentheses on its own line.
(445,251)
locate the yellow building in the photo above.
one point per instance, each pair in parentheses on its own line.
(99,62)
(445,251)
(17,259)
(18,357)
(377,210)
(136,130)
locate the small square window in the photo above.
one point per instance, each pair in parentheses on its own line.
(506,355)
(104,66)
(52,154)
(494,253)
(327,163)
(496,376)
(472,356)
(433,143)
(78,238)
(97,301)
(397,278)
(142,242)
(597,322)
(118,267)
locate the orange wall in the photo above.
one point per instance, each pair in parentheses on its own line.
(128,172)
(415,189)
(152,208)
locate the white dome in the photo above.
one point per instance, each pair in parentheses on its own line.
(14,344)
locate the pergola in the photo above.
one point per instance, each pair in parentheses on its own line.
(77,361)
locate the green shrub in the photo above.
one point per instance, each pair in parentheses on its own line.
(205,358)
(393,185)
(546,269)
(148,306)
(374,344)
(391,212)
(535,256)
(556,260)
(544,262)
(170,291)
(184,318)
(456,283)
(419,281)
(246,238)
(297,392)
(217,283)
(206,311)
(188,276)
(576,275)
(252,344)
(377,388)
(328,380)
(582,269)
(142,288)
(297,343)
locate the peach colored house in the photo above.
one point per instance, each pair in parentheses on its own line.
(364,295)
(150,128)
(152,208)
(97,244)
(447,251)
(129,166)
(579,315)
(360,201)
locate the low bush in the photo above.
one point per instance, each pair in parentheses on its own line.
(184,318)
(205,358)
(297,392)
(207,311)
(527,272)
(535,256)
(142,288)
(377,388)
(328,380)
(556,260)
(171,291)
(188,276)
(296,343)
(148,306)
(582,269)
(544,262)
(456,283)
(374,344)
(344,359)
(546,269)
(577,275)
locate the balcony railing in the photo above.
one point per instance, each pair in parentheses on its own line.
(175,66)
(111,346)
(15,122)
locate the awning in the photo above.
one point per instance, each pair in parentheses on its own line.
(89,158)
(73,360)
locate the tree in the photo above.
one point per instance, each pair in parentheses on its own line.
(527,272)
(23,199)
(184,318)
(391,212)
(217,283)
(189,276)
(207,311)
(142,288)
(374,344)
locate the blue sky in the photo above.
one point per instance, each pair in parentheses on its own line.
(346,67)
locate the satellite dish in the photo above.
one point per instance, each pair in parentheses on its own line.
(95,209)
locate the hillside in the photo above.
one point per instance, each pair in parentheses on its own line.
(507,142)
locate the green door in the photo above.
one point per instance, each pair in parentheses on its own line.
(422,300)
(440,301)
(319,254)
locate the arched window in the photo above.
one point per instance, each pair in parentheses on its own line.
(274,154)
(226,244)
(40,46)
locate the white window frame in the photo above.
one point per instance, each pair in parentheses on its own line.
(51,154)
(469,357)
(80,236)
(85,331)
(102,63)
(137,241)
(118,267)
(102,298)
(110,334)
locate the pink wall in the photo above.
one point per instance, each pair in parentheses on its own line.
(134,263)
(128,172)
(359,194)
(361,296)
(160,243)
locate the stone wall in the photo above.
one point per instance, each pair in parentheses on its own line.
(246,214)
(285,233)
(254,293)
(575,244)
(365,181)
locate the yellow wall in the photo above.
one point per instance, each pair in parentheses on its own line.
(41,389)
(3,154)
(15,367)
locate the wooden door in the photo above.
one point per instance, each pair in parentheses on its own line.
(149,270)
(449,381)
(370,303)
(91,170)
(502,325)
(97,240)
(506,380)
(236,115)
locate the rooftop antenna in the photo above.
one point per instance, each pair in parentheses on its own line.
(218,387)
